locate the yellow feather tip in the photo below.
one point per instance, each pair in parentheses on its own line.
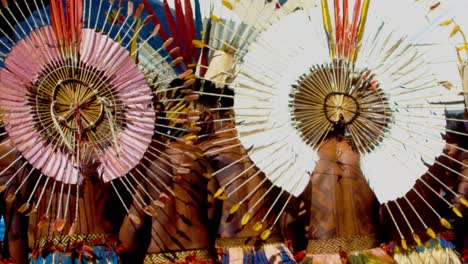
(445,223)
(191,137)
(245,219)
(265,234)
(463,47)
(446,22)
(234,209)
(198,43)
(464,201)
(2,188)
(417,239)
(222,197)
(215,18)
(457,212)
(431,232)
(189,77)
(455,30)
(219,192)
(207,175)
(403,244)
(227,4)
(258,226)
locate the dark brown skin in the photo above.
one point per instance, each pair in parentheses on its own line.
(182,223)
(16,223)
(463,185)
(230,225)
(94,204)
(452,150)
(341,201)
(463,191)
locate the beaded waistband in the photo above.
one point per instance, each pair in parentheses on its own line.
(177,256)
(65,241)
(335,245)
(246,241)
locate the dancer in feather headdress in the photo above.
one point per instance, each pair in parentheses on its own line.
(214,56)
(176,225)
(238,237)
(84,88)
(245,200)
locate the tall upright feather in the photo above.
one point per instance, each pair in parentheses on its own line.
(182,29)
(328,27)
(362,23)
(171,23)
(67,25)
(198,20)
(155,19)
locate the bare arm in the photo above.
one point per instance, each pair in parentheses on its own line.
(17,226)
(132,224)
(16,222)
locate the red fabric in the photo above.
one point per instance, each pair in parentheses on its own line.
(299,256)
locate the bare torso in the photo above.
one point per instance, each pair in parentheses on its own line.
(230,224)
(181,223)
(42,221)
(341,202)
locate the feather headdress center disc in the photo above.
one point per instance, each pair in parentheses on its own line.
(63,110)
(335,95)
(76,98)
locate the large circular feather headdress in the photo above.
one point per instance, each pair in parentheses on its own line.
(85,83)
(355,67)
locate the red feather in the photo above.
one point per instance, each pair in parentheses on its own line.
(171,23)
(56,20)
(186,41)
(155,19)
(189,19)
(357,9)
(63,23)
(75,14)
(344,35)
(337,26)
(67,22)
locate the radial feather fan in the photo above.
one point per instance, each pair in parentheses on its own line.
(229,28)
(353,69)
(86,90)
